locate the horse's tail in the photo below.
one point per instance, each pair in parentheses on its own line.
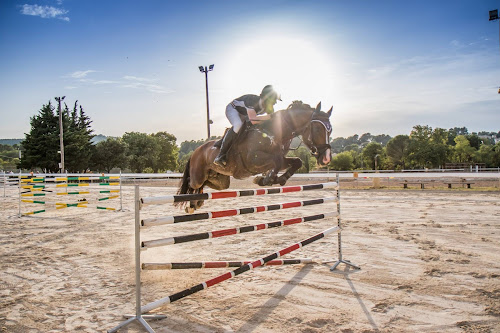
(184,187)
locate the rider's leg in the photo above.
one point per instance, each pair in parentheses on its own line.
(235,119)
(221,159)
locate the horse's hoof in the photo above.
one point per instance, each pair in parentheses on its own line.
(266,182)
(257,180)
(282,181)
(189,210)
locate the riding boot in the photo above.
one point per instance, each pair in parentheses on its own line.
(221,159)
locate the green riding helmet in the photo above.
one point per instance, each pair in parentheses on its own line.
(269,92)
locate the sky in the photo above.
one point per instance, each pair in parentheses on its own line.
(385,66)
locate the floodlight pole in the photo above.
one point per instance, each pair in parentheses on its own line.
(61,140)
(206,70)
(494,17)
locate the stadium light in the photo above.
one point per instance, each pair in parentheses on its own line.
(61,134)
(206,70)
(494,17)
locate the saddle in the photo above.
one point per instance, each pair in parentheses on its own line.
(247,126)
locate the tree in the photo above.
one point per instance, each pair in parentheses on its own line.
(166,158)
(109,154)
(338,145)
(463,152)
(157,152)
(41,145)
(365,138)
(396,150)
(496,155)
(439,148)
(474,140)
(343,161)
(454,132)
(419,150)
(485,155)
(182,161)
(370,153)
(9,157)
(141,151)
(383,139)
(78,147)
(186,149)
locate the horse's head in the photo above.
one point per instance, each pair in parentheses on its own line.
(316,135)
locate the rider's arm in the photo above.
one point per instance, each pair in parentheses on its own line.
(255,118)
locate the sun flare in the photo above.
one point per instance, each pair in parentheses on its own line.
(297,68)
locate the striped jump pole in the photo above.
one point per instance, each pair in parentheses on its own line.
(228,232)
(84,184)
(220,264)
(245,268)
(154,221)
(235,194)
(56,207)
(31,194)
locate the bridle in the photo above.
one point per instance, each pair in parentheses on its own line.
(316,150)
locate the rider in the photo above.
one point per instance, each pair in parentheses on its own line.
(252,107)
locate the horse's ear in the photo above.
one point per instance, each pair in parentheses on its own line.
(318,107)
(329,113)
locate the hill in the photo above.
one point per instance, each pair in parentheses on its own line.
(10,142)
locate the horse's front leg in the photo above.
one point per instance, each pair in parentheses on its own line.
(267,161)
(293,164)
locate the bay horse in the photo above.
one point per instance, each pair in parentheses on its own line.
(260,149)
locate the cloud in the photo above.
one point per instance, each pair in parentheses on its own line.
(104,82)
(45,12)
(145,83)
(81,74)
(127,81)
(149,87)
(135,78)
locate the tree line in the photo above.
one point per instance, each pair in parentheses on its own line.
(424,147)
(138,152)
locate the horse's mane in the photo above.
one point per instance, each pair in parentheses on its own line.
(299,105)
(295,106)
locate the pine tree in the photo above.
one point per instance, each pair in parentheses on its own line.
(41,145)
(78,147)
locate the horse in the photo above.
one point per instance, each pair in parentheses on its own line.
(260,149)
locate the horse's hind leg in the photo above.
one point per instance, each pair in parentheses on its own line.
(218,181)
(196,182)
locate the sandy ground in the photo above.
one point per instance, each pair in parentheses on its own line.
(430,263)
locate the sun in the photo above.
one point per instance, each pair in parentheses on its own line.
(297,68)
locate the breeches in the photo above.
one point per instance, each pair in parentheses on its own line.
(235,118)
